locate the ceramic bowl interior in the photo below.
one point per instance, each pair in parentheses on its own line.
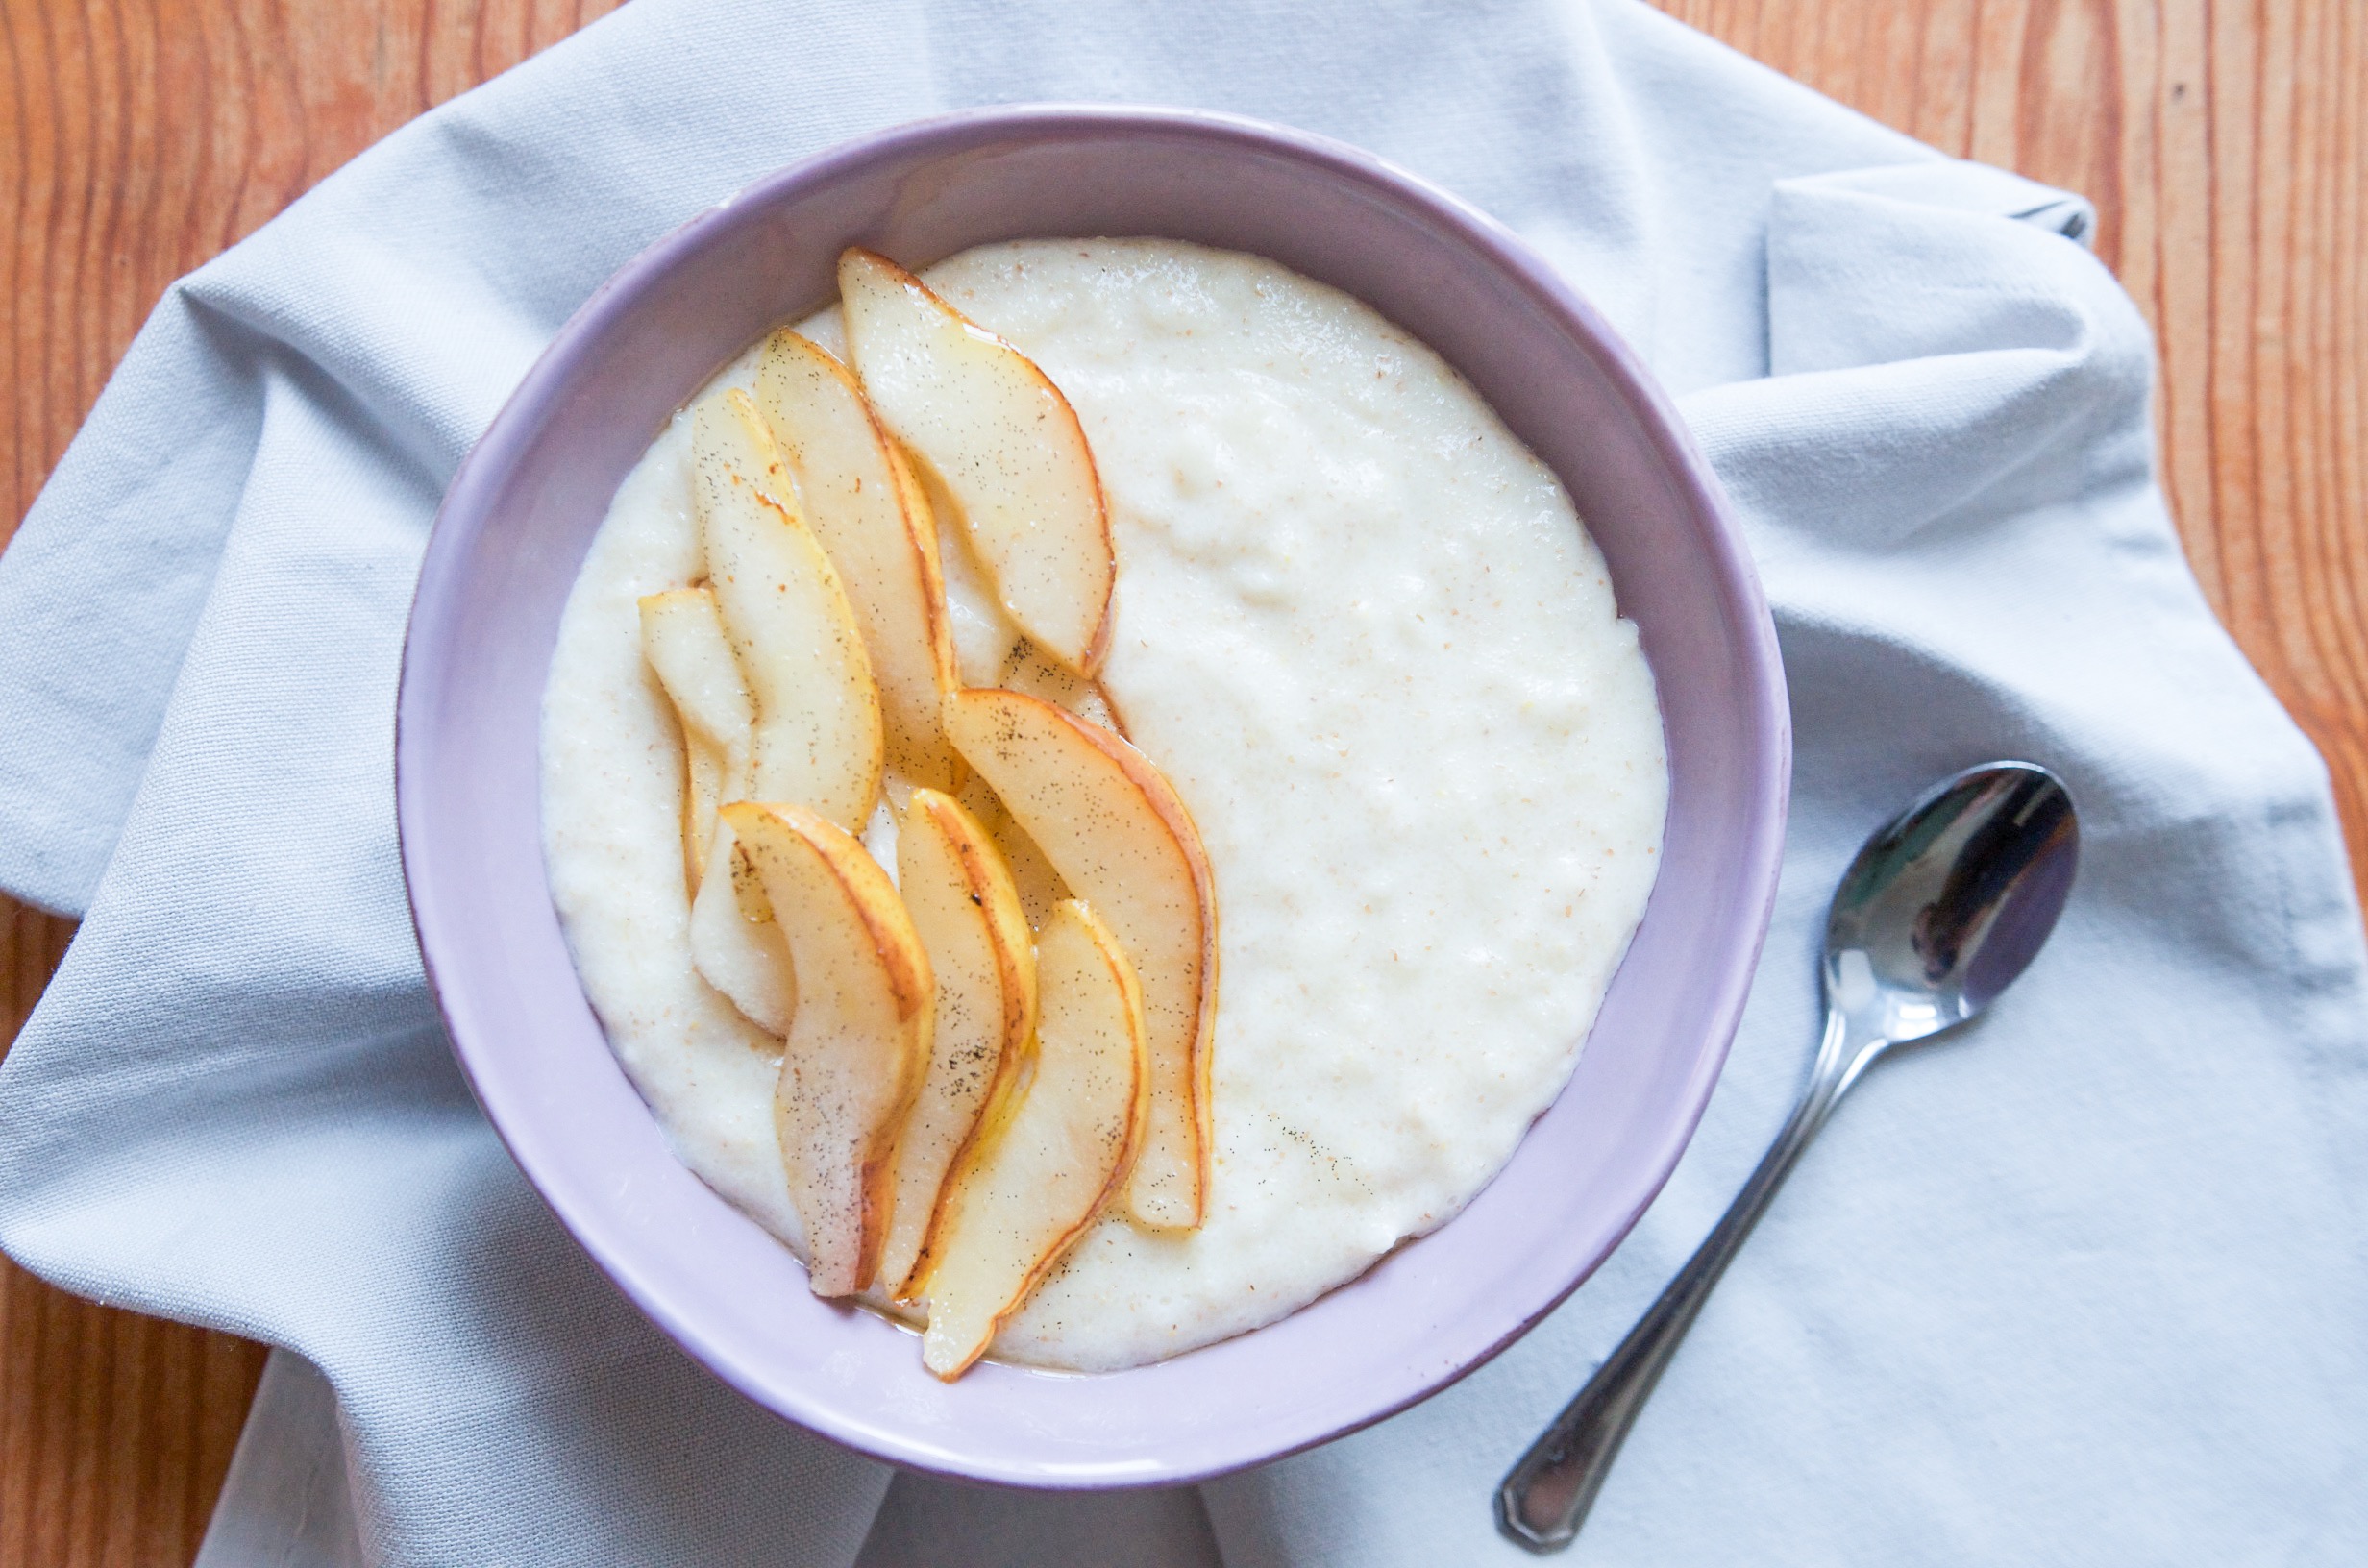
(516,524)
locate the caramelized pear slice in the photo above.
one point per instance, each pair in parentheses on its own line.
(682,636)
(1040,886)
(736,945)
(1026,669)
(1004,442)
(852,1060)
(1114,829)
(867,509)
(1054,1152)
(816,737)
(960,895)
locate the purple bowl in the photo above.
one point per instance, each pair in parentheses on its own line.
(520,514)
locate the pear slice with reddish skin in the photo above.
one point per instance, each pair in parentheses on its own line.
(1023,668)
(1115,830)
(1004,442)
(962,901)
(1054,1148)
(852,1060)
(817,736)
(869,511)
(682,636)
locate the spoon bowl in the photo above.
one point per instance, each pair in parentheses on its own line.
(1946,905)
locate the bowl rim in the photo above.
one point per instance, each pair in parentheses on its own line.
(476,481)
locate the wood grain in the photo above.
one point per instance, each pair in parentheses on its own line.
(138,137)
(2223,142)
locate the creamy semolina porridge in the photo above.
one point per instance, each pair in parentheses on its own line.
(1363,632)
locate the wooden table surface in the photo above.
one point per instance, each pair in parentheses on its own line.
(2224,141)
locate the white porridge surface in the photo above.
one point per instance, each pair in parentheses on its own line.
(1360,629)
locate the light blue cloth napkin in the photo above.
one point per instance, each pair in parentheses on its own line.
(2083,1284)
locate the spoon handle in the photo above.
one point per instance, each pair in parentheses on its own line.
(1546,1496)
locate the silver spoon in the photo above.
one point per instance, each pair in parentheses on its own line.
(1939,914)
